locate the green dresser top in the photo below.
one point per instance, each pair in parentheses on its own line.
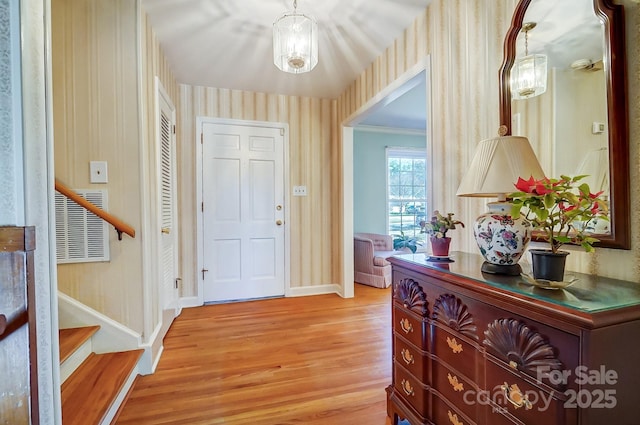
(588,293)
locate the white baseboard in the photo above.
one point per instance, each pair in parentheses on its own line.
(186,302)
(112,336)
(304,291)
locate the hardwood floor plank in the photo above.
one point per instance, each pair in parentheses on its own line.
(317,360)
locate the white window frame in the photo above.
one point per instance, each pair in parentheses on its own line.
(405,152)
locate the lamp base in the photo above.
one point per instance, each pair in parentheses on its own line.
(502,239)
(508,269)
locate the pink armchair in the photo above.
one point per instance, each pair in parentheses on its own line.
(371,251)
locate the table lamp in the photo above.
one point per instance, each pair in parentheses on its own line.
(494,170)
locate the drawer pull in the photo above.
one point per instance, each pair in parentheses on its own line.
(406,325)
(407,356)
(453,380)
(515,396)
(407,388)
(453,418)
(454,345)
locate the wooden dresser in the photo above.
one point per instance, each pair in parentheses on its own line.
(472,348)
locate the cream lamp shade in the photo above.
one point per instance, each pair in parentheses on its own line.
(494,170)
(496,166)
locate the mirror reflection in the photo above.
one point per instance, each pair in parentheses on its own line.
(567,124)
(577,123)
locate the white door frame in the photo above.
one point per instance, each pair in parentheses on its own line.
(386,95)
(198,207)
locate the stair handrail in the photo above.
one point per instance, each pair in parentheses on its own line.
(120,226)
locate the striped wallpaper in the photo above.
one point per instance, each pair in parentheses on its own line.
(460,39)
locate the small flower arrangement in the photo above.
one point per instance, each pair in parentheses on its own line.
(562,208)
(439,224)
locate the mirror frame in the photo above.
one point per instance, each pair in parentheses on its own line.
(612,17)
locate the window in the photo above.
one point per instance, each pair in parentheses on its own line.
(406,191)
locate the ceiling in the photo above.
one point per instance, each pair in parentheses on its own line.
(228,43)
(565,31)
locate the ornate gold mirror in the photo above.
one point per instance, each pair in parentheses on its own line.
(579,125)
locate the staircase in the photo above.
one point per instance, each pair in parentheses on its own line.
(94,386)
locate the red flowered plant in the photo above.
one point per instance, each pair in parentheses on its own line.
(563,209)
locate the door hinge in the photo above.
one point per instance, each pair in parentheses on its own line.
(202,207)
(178,279)
(201,138)
(282,131)
(203,272)
(174,129)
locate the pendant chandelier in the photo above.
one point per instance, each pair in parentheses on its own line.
(295,42)
(529,74)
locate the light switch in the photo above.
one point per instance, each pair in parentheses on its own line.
(98,171)
(299,190)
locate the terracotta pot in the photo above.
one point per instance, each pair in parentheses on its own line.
(548,265)
(440,247)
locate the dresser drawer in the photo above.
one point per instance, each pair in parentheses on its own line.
(410,389)
(446,414)
(533,348)
(494,416)
(538,404)
(457,352)
(412,327)
(457,389)
(412,359)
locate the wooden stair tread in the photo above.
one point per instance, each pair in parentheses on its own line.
(89,393)
(72,338)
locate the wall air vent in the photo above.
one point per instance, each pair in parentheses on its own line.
(81,236)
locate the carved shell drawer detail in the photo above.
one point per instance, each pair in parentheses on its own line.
(455,335)
(410,294)
(450,311)
(518,364)
(521,347)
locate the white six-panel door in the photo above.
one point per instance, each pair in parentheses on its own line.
(243,212)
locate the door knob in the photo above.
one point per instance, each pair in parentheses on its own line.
(279,222)
(166,230)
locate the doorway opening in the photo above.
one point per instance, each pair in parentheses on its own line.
(402,109)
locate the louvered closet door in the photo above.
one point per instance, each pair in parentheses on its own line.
(168,238)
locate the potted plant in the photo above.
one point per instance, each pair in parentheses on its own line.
(563,210)
(404,242)
(437,229)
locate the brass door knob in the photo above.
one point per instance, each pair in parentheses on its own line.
(279,222)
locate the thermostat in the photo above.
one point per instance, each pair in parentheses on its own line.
(597,128)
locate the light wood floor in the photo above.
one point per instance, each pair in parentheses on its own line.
(309,360)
